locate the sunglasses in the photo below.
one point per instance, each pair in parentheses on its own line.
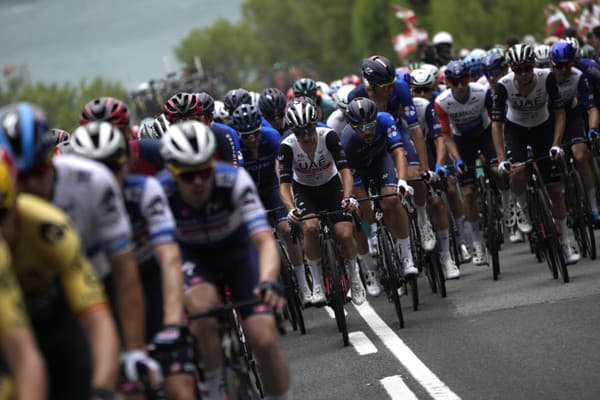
(456,81)
(303,132)
(385,85)
(422,89)
(364,127)
(251,134)
(562,65)
(493,73)
(522,70)
(189,174)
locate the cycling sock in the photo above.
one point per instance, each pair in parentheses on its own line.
(592,198)
(564,237)
(522,200)
(404,246)
(422,214)
(316,271)
(353,265)
(300,271)
(215,383)
(475,232)
(444,241)
(373,229)
(460,229)
(286,396)
(368,262)
(506,196)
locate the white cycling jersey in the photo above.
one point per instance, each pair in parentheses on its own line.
(337,121)
(464,119)
(89,193)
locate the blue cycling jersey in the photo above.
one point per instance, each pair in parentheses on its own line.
(228,144)
(361,154)
(261,166)
(591,70)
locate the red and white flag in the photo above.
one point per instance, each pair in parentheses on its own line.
(556,24)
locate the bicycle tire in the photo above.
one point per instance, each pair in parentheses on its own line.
(436,265)
(553,243)
(431,276)
(584,223)
(337,294)
(491,217)
(539,232)
(292,295)
(390,266)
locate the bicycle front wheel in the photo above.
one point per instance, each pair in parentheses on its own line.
(390,266)
(337,295)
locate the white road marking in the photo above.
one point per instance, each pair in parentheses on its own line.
(432,384)
(397,389)
(361,343)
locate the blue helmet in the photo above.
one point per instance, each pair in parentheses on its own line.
(493,61)
(246,118)
(25,132)
(562,52)
(473,61)
(456,70)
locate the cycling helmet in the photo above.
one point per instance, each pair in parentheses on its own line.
(272,102)
(456,70)
(361,110)
(106,109)
(236,97)
(188,143)
(378,70)
(207,103)
(493,61)
(146,131)
(414,65)
(246,118)
(99,141)
(8,180)
(422,78)
(322,87)
(182,106)
(301,113)
(473,61)
(24,132)
(304,87)
(497,50)
(575,43)
(442,38)
(562,52)
(160,126)
(433,68)
(254,96)
(220,113)
(587,51)
(542,54)
(341,96)
(59,135)
(520,54)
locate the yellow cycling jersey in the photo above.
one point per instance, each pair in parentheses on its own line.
(13,316)
(49,261)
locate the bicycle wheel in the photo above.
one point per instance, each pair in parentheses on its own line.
(390,267)
(582,213)
(336,289)
(430,272)
(292,295)
(491,217)
(436,265)
(539,233)
(553,244)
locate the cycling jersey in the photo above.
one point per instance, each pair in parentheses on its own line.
(89,193)
(400,104)
(146,154)
(50,264)
(13,317)
(337,121)
(261,166)
(428,120)
(151,218)
(329,157)
(527,111)
(591,70)
(575,90)
(232,212)
(228,144)
(469,118)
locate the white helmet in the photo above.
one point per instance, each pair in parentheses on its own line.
(300,113)
(98,140)
(254,96)
(542,54)
(422,78)
(442,37)
(160,126)
(575,43)
(520,54)
(433,69)
(188,142)
(323,87)
(341,96)
(220,111)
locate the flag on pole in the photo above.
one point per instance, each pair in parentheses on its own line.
(407,41)
(556,24)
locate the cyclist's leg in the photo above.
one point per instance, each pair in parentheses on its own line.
(362,244)
(516,139)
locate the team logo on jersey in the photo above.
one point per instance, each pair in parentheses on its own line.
(156,206)
(248,197)
(392,131)
(52,233)
(108,201)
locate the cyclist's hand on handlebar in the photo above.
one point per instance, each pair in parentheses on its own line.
(272,294)
(556,151)
(404,188)
(349,204)
(430,176)
(504,167)
(130,358)
(593,133)
(460,166)
(441,170)
(293,215)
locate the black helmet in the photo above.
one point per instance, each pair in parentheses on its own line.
(378,70)
(207,103)
(360,111)
(246,118)
(236,97)
(271,102)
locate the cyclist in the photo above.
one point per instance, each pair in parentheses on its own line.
(442,41)
(473,63)
(463,111)
(200,107)
(422,82)
(260,146)
(63,297)
(306,87)
(19,351)
(221,115)
(375,151)
(542,56)
(156,250)
(224,237)
(579,100)
(314,176)
(393,96)
(272,103)
(336,120)
(521,116)
(235,98)
(61,140)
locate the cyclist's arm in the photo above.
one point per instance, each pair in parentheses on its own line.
(284,161)
(332,141)
(593,117)
(169,259)
(26,365)
(560,113)
(498,113)
(268,255)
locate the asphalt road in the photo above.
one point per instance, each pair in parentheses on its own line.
(526,336)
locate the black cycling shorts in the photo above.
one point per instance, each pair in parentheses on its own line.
(327,197)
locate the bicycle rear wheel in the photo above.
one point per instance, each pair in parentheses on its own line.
(337,295)
(390,267)
(492,234)
(583,222)
(435,265)
(553,246)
